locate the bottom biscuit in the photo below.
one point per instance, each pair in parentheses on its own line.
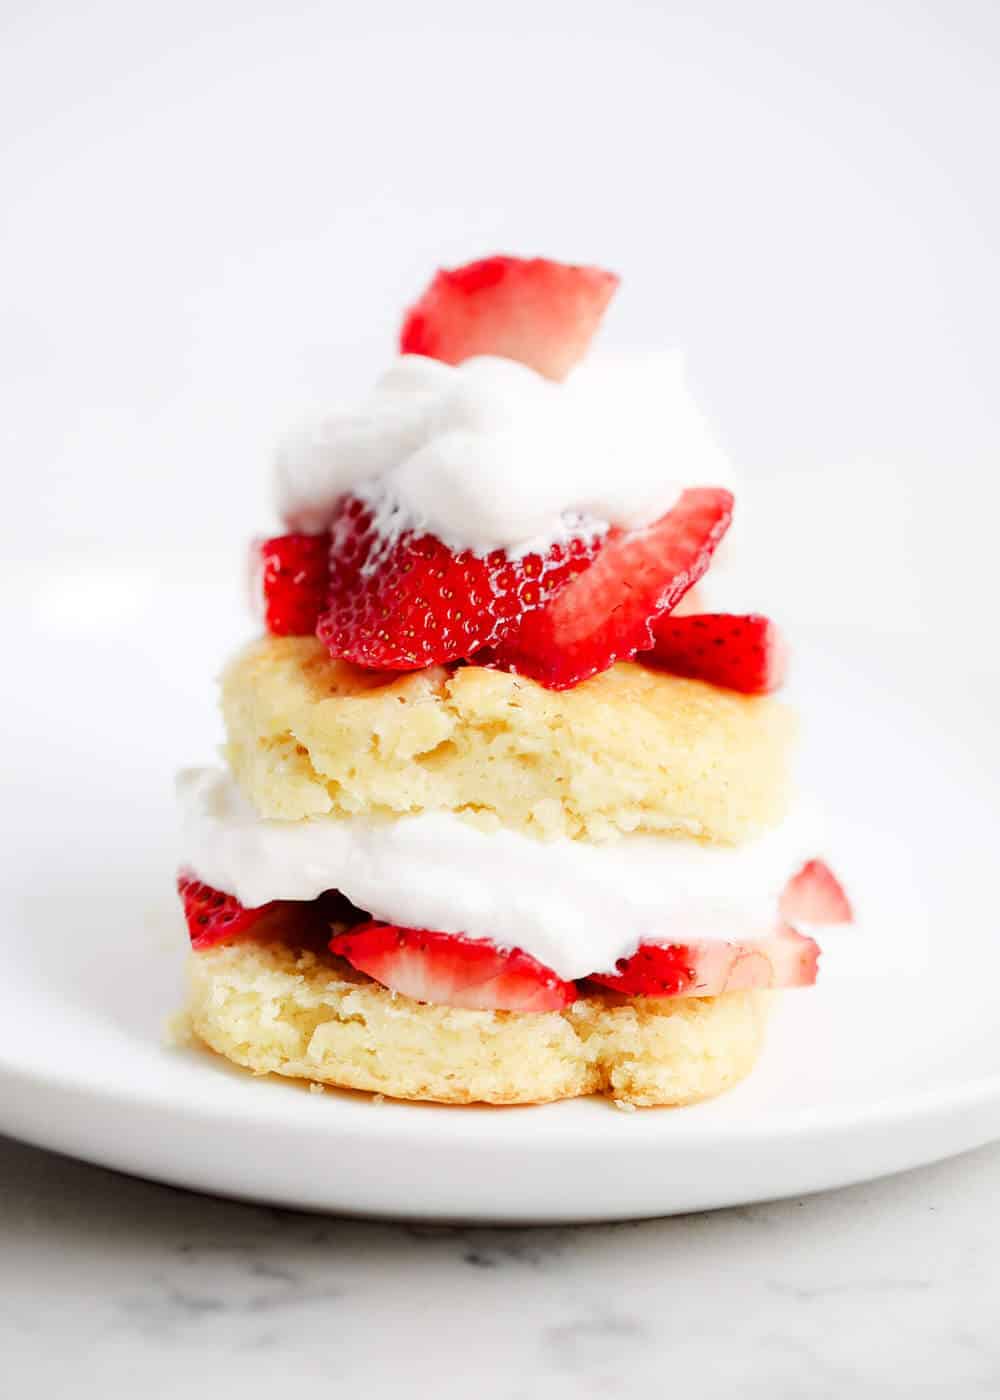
(276,1010)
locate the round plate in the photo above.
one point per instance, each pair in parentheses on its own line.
(891,1062)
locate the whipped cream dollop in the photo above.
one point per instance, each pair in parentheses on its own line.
(575,906)
(491,455)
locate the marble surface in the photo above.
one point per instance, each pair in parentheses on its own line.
(110,1285)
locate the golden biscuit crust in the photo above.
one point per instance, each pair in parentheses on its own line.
(275,1010)
(631,750)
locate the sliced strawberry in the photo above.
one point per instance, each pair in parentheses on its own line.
(816,896)
(608,613)
(293,573)
(215,917)
(707,969)
(741,653)
(452,970)
(409,603)
(541,313)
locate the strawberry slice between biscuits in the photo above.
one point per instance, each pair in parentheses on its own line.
(744,653)
(214,917)
(452,970)
(788,958)
(710,968)
(815,896)
(409,602)
(608,613)
(539,312)
(474,974)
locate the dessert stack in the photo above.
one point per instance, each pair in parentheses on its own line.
(498,823)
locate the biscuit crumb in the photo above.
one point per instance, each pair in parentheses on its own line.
(315,1088)
(178,1032)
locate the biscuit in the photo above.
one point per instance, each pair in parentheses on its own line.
(632,749)
(305,1015)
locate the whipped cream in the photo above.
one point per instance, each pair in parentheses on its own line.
(575,906)
(491,455)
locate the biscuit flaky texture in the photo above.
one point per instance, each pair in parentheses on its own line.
(631,750)
(276,1010)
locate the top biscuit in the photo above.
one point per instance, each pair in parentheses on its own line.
(631,750)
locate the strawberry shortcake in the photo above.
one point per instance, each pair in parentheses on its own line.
(503,819)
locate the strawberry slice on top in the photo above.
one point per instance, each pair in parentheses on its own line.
(452,970)
(291,577)
(608,613)
(748,653)
(542,313)
(411,602)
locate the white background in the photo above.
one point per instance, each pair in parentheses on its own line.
(214,214)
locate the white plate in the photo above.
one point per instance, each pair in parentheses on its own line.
(862,1076)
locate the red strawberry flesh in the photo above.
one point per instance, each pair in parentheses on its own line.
(294,580)
(451,970)
(214,917)
(744,653)
(708,969)
(542,313)
(608,613)
(412,602)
